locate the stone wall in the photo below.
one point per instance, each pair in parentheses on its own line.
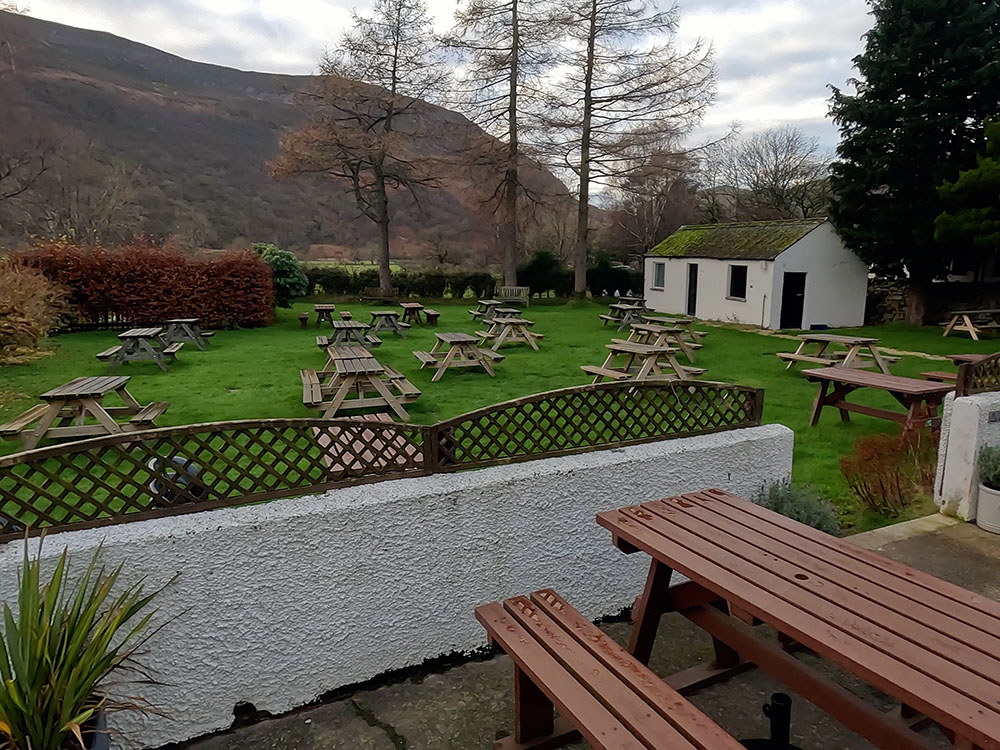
(887,299)
(279,603)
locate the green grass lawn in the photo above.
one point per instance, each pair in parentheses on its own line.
(254,373)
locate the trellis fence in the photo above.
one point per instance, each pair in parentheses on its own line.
(139,475)
(979,377)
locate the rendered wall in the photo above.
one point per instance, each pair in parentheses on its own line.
(965,428)
(279,603)
(713,286)
(836,280)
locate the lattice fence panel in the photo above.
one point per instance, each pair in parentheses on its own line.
(980,377)
(589,417)
(199,466)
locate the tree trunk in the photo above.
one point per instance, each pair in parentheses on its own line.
(382,209)
(583,206)
(509,232)
(916,302)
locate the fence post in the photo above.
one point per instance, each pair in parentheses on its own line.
(432,449)
(962,381)
(758,406)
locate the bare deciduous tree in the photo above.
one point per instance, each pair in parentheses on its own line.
(779,173)
(504,48)
(364,113)
(625,85)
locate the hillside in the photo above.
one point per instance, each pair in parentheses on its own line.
(192,142)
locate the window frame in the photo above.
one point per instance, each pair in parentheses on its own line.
(659,266)
(729,282)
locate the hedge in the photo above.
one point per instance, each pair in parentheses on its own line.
(433,284)
(144,284)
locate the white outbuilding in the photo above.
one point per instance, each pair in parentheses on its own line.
(774,274)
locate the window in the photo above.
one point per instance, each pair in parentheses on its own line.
(738,283)
(659,275)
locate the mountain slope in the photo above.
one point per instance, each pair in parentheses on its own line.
(201,136)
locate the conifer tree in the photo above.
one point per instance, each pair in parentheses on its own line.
(928,78)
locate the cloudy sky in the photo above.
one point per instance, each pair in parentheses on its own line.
(776,57)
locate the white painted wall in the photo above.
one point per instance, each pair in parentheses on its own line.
(965,428)
(279,603)
(713,286)
(836,280)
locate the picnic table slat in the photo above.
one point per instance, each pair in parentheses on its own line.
(835,338)
(931,684)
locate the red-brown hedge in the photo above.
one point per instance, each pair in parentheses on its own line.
(145,284)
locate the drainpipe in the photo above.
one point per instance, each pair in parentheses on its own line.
(763,305)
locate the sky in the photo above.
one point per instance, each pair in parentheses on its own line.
(776,58)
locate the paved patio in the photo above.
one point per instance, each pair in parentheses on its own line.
(466,707)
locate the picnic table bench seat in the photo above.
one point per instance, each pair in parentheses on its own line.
(312,392)
(172,349)
(940,376)
(149,413)
(605,372)
(603,693)
(431,316)
(108,353)
(608,319)
(16,425)
(426,358)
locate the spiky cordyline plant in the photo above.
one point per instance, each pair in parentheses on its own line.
(66,638)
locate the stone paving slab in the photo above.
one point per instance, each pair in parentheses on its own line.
(468,706)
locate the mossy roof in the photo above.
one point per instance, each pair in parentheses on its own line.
(747,240)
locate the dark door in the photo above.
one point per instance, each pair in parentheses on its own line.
(793,298)
(692,304)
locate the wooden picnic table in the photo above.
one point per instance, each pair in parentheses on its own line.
(355,372)
(653,333)
(411,311)
(485,309)
(647,356)
(510,330)
(141,344)
(928,644)
(76,410)
(973,322)
(463,350)
(630,299)
(347,332)
(388,320)
(622,315)
(187,329)
(324,313)
(920,398)
(686,324)
(856,351)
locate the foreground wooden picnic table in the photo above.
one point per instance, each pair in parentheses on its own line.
(973,322)
(76,410)
(854,351)
(141,344)
(930,645)
(920,398)
(463,350)
(354,379)
(507,330)
(187,329)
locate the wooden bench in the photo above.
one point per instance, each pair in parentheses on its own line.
(609,319)
(490,354)
(170,350)
(605,372)
(406,389)
(108,353)
(149,413)
(346,315)
(431,316)
(322,341)
(426,359)
(520,294)
(375,294)
(207,334)
(373,340)
(604,694)
(17,425)
(939,376)
(312,392)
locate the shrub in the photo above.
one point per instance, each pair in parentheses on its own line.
(802,504)
(68,635)
(143,284)
(544,273)
(605,279)
(989,467)
(888,472)
(30,306)
(288,278)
